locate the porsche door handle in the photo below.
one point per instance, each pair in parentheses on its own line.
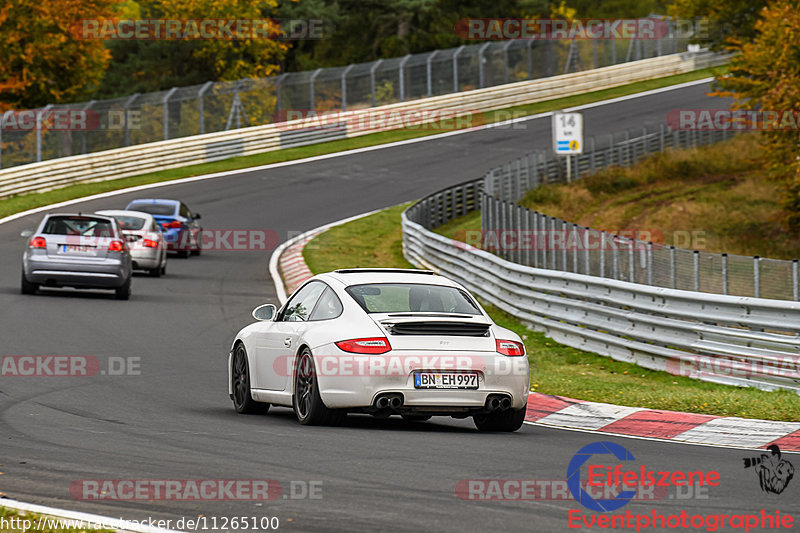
(287,342)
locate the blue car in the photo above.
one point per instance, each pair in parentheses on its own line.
(179,224)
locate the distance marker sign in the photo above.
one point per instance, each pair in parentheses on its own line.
(568,133)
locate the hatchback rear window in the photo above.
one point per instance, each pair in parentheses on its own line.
(129,222)
(78,225)
(154,209)
(412,297)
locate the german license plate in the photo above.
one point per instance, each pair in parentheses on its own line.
(75,248)
(445,380)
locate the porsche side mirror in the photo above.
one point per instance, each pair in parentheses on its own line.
(264,312)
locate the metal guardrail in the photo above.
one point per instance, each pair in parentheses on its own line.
(136,160)
(723,339)
(221,106)
(568,293)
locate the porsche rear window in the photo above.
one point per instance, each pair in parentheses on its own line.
(78,225)
(412,297)
(153,209)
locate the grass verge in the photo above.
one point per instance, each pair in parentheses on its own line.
(23,522)
(376,241)
(15,204)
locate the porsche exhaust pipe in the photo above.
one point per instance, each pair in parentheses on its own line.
(395,402)
(497,402)
(494,404)
(382,402)
(505,403)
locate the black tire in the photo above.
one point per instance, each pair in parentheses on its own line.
(416,418)
(183,254)
(26,287)
(155,272)
(505,421)
(243,401)
(306,402)
(124,292)
(164,264)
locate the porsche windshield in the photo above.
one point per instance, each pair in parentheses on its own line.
(412,297)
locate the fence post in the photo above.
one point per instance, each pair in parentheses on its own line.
(592,161)
(594,53)
(429,72)
(311,95)
(372,79)
(614,257)
(518,231)
(127,105)
(344,86)
(586,253)
(528,236)
(563,246)
(480,64)
(575,248)
(696,269)
(201,112)
(165,105)
(553,255)
(671,267)
(603,254)
(39,130)
(795,284)
(278,84)
(530,59)
(455,67)
(724,258)
(756,277)
(650,262)
(83,136)
(632,261)
(505,60)
(402,71)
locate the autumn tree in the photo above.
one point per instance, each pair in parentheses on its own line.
(41,60)
(732,22)
(766,75)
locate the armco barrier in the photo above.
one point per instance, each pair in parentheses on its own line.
(151,157)
(724,339)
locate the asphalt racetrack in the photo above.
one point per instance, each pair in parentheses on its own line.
(174,419)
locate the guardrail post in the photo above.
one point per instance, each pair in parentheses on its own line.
(311,95)
(756,277)
(39,115)
(649,262)
(724,258)
(696,269)
(795,282)
(480,64)
(455,67)
(602,254)
(671,267)
(429,71)
(125,111)
(201,112)
(165,106)
(344,85)
(372,70)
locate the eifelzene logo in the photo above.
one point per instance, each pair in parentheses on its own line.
(774,472)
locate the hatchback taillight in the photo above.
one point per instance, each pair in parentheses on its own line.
(116,246)
(373,345)
(150,244)
(38,242)
(510,348)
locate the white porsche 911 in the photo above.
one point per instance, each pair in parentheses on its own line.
(382,342)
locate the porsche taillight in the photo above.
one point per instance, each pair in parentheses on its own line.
(510,348)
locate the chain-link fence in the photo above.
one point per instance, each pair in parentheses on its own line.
(534,239)
(52,132)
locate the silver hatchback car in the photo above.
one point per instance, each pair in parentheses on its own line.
(76,250)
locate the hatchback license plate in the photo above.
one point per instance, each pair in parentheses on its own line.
(67,248)
(445,380)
